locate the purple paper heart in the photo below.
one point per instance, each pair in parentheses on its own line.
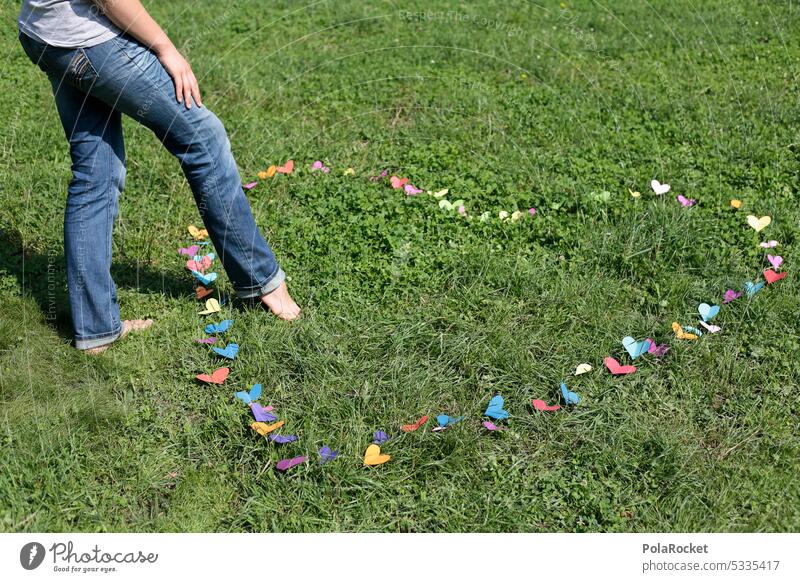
(380,437)
(207,340)
(327,454)
(657,350)
(282,440)
(287,464)
(261,413)
(731,295)
(189,251)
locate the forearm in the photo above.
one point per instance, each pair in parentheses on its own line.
(134,19)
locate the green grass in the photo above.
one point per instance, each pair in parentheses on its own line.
(411,310)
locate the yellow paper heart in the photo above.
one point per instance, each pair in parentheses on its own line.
(582,369)
(212,306)
(680,334)
(441,193)
(758,224)
(374,457)
(349,172)
(737,204)
(264,429)
(635,194)
(197,233)
(262,175)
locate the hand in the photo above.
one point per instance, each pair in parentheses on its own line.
(179,69)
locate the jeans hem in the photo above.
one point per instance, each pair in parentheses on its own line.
(259,291)
(98,340)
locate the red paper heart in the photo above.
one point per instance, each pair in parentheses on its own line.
(287,168)
(397,182)
(415,426)
(615,368)
(542,405)
(217,376)
(201,292)
(771,276)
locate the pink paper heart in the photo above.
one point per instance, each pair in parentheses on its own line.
(249,185)
(397,182)
(189,251)
(543,406)
(770,244)
(491,426)
(775,260)
(208,340)
(616,368)
(686,201)
(731,295)
(711,328)
(411,190)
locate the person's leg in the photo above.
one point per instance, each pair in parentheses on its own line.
(132,80)
(94,133)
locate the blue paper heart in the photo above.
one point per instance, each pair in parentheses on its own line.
(693,330)
(206,279)
(228,351)
(569,396)
(707,312)
(220,327)
(495,408)
(445,421)
(251,396)
(635,349)
(753,288)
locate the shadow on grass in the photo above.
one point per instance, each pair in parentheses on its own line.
(42,276)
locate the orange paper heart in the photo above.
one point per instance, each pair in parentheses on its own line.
(287,168)
(771,276)
(415,426)
(264,429)
(217,376)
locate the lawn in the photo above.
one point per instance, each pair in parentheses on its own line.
(411,309)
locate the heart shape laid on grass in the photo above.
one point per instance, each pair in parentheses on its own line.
(415,426)
(686,201)
(373,456)
(582,369)
(775,260)
(658,187)
(197,233)
(261,413)
(543,406)
(327,454)
(680,333)
(264,429)
(772,277)
(710,327)
(286,464)
(616,368)
(569,396)
(228,351)
(251,395)
(634,348)
(249,185)
(495,408)
(731,295)
(280,439)
(445,421)
(220,327)
(657,350)
(491,426)
(212,306)
(216,377)
(201,292)
(287,168)
(737,204)
(707,312)
(205,279)
(753,288)
(380,437)
(398,183)
(758,224)
(770,244)
(189,251)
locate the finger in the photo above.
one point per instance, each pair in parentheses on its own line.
(178,87)
(196,91)
(187,92)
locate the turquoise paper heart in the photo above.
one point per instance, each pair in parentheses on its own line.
(708,312)
(495,408)
(753,288)
(635,349)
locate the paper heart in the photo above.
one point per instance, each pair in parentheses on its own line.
(582,369)
(271,171)
(658,187)
(775,260)
(263,175)
(201,292)
(261,413)
(287,168)
(634,194)
(441,193)
(251,395)
(710,327)
(319,166)
(216,377)
(193,265)
(707,312)
(543,406)
(228,351)
(249,185)
(753,288)
(415,426)
(770,244)
(189,251)
(380,437)
(349,172)
(693,330)
(280,439)
(495,408)
(771,276)
(264,429)
(758,224)
(731,295)
(220,327)
(374,457)
(197,233)
(616,368)
(737,204)
(657,350)
(411,190)
(397,182)
(326,454)
(686,201)
(208,340)
(634,348)
(205,279)
(445,421)
(212,306)
(569,396)
(286,464)
(680,333)
(491,426)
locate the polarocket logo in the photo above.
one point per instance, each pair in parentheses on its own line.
(31,555)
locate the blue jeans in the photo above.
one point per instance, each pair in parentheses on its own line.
(93,87)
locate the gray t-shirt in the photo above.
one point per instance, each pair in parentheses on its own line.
(66,23)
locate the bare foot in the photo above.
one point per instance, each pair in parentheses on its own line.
(281,303)
(128,326)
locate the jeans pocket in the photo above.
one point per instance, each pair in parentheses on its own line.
(80,71)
